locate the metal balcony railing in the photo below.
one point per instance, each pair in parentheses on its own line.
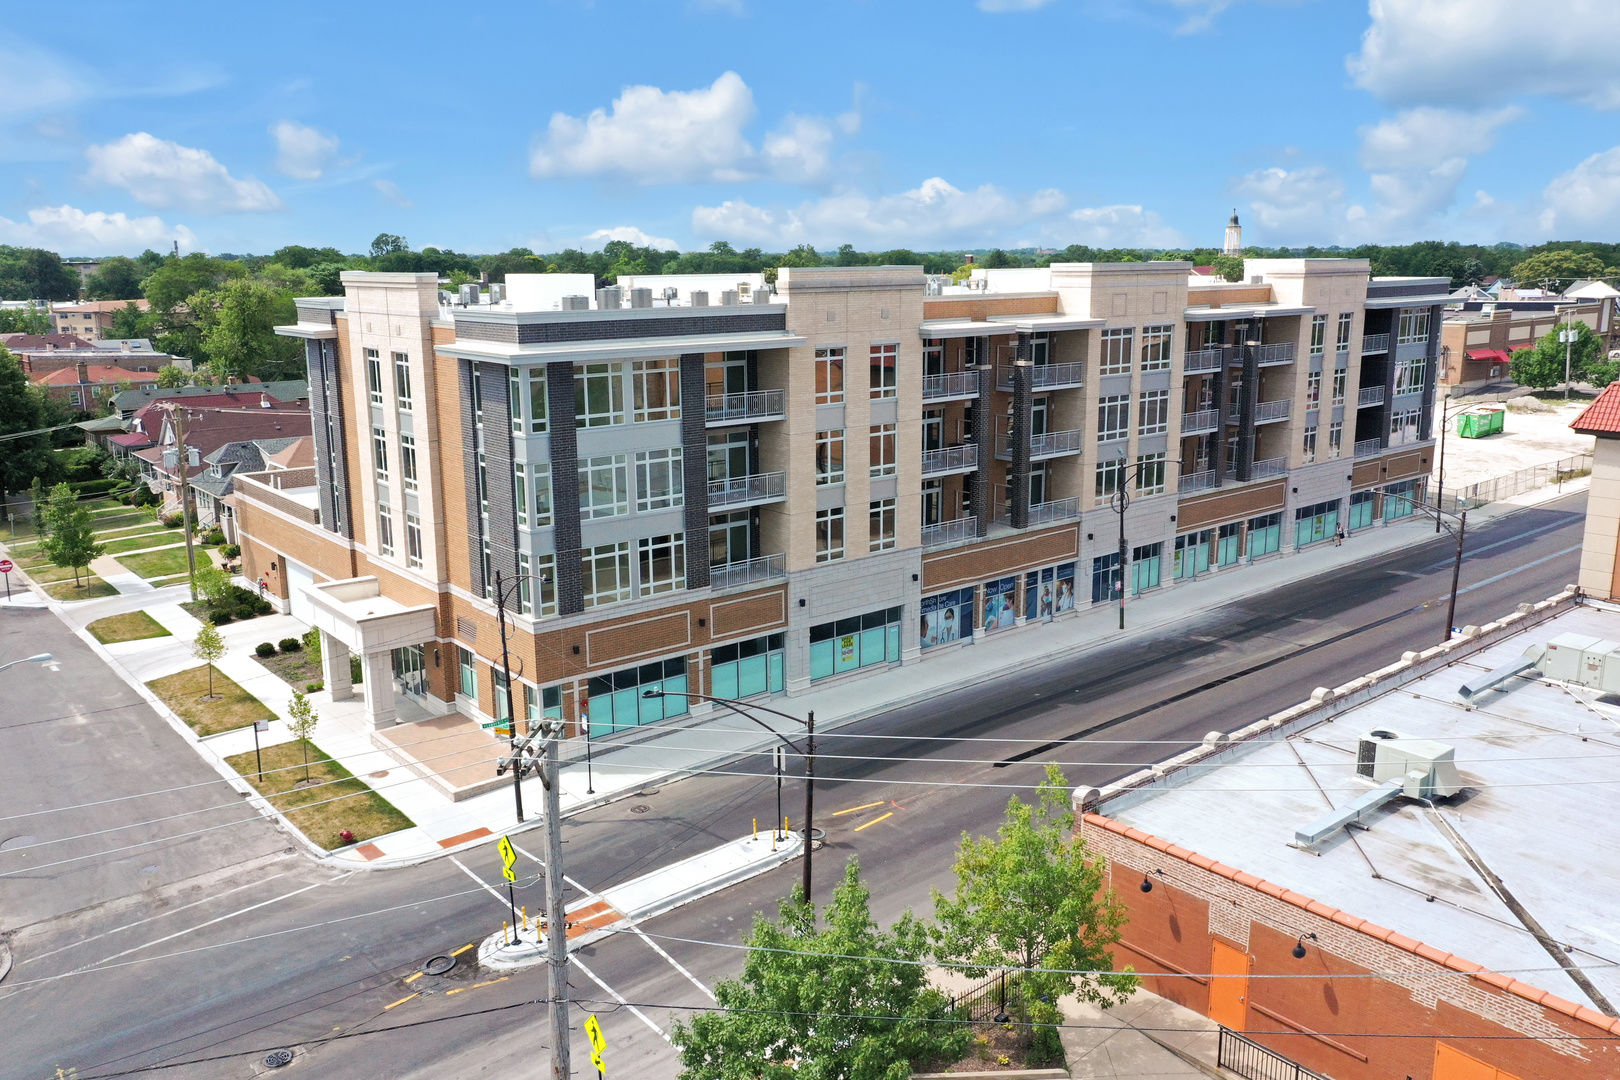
(1201,360)
(1269,467)
(1372,344)
(1368,396)
(1249,1059)
(947,532)
(1055,510)
(1265,412)
(1200,422)
(950,459)
(1369,447)
(752,406)
(955,384)
(1281,352)
(1053,444)
(747,490)
(1198,481)
(748,572)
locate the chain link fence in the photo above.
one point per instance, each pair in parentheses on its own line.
(1560,472)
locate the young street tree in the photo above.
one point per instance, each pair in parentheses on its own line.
(72,539)
(301,721)
(1033,900)
(824,1002)
(208,648)
(1542,365)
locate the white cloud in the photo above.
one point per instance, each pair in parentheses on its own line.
(653,136)
(70,230)
(998,7)
(1303,200)
(303,151)
(1585,197)
(634,236)
(1423,137)
(1442,51)
(800,149)
(45,82)
(164,175)
(934,212)
(390,191)
(1123,226)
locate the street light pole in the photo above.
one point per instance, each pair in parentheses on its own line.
(511,713)
(1456,572)
(42,658)
(177,413)
(1120,501)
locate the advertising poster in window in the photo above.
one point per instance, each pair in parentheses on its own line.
(947,617)
(1038,597)
(847,651)
(1065,589)
(999,597)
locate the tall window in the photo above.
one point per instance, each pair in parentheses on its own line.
(1310,444)
(539,404)
(659,484)
(1342,342)
(1318,334)
(830,457)
(379,452)
(385,530)
(606,573)
(1409,376)
(881,453)
(830,534)
(883,383)
(1413,327)
(1150,474)
(413,540)
(880,521)
(520,493)
(1116,350)
(537,578)
(1403,426)
(1156,347)
(1335,438)
(407,461)
(1113,418)
(515,382)
(402,381)
(829,376)
(598,395)
(604,487)
(1155,412)
(657,389)
(1313,390)
(933,356)
(663,563)
(483,485)
(1110,478)
(1341,379)
(374,376)
(469,672)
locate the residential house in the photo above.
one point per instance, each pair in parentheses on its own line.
(89,386)
(90,319)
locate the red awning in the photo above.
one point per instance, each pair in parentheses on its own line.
(1494,356)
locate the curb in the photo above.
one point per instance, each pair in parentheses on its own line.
(5,958)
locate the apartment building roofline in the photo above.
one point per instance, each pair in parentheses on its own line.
(619,348)
(848,278)
(1243,311)
(1005,324)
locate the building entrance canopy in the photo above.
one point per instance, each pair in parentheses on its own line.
(354,616)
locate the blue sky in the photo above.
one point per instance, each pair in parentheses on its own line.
(926,125)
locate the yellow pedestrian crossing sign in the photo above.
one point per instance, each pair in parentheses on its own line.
(509,858)
(598,1044)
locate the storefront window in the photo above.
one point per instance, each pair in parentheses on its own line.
(947,617)
(616,701)
(1265,534)
(1192,553)
(999,597)
(748,667)
(1399,499)
(1226,544)
(1313,524)
(1145,567)
(1105,578)
(1361,510)
(856,642)
(1049,592)
(542,702)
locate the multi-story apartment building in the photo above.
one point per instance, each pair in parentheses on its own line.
(864,467)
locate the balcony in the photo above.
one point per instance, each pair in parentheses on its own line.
(950,459)
(1369,396)
(749,572)
(1373,344)
(1198,481)
(1369,448)
(1202,360)
(947,532)
(1276,466)
(1265,412)
(1271,355)
(739,491)
(721,410)
(1056,510)
(1052,444)
(1201,422)
(1045,376)
(952,387)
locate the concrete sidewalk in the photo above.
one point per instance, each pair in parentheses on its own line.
(1146,1038)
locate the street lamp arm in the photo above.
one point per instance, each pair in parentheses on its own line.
(41,658)
(739,710)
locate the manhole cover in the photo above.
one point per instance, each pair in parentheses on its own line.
(275,1059)
(640,808)
(145,870)
(439,965)
(16,842)
(378,775)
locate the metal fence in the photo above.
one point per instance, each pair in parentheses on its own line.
(996,996)
(1468,496)
(1249,1059)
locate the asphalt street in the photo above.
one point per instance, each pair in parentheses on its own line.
(204,974)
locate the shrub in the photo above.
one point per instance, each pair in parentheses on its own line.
(290,644)
(231,551)
(173,521)
(355,671)
(310,688)
(93,487)
(145,496)
(222,618)
(264,648)
(312,643)
(216,535)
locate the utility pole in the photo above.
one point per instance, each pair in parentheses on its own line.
(177,413)
(809,796)
(511,713)
(1569,343)
(556,925)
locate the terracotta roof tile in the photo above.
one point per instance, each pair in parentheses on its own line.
(1602,417)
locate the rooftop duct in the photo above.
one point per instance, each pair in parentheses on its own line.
(640,298)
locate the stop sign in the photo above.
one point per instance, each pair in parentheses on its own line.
(5,566)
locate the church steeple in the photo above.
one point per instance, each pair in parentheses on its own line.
(1234,236)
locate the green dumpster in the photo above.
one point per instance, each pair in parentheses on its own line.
(1476,424)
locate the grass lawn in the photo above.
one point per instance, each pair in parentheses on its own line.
(157,563)
(130,530)
(124,519)
(136,543)
(173,579)
(345,802)
(91,588)
(130,626)
(45,573)
(183,692)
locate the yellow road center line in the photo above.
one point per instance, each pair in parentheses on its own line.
(475,986)
(874,821)
(463,949)
(855,809)
(413,977)
(402,1000)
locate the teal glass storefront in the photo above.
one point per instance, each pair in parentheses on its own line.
(856,642)
(617,702)
(748,667)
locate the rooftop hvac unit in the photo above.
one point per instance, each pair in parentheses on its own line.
(671,294)
(1583,660)
(640,298)
(469,294)
(744,291)
(763,294)
(699,297)
(575,303)
(497,292)
(1427,769)
(728,297)
(609,299)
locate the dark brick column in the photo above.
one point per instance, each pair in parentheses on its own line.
(984,435)
(565,486)
(1246,402)
(1386,411)
(466,373)
(338,436)
(495,382)
(1023,420)
(695,470)
(1430,375)
(1221,384)
(320,420)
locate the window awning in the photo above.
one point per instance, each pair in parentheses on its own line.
(1494,356)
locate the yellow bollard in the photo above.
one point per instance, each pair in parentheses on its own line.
(756,828)
(525,910)
(505,936)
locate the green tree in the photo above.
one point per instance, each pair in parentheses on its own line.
(32,319)
(238,330)
(1542,365)
(1559,268)
(850,1001)
(301,721)
(72,539)
(1035,899)
(997,259)
(1230,267)
(803,255)
(302,258)
(387,244)
(118,278)
(212,583)
(170,376)
(22,408)
(170,285)
(130,321)
(36,274)
(208,647)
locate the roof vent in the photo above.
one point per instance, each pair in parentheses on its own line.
(576,303)
(671,294)
(610,298)
(698,297)
(640,298)
(1427,769)
(728,298)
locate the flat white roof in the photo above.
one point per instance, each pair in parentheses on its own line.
(625,348)
(1540,808)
